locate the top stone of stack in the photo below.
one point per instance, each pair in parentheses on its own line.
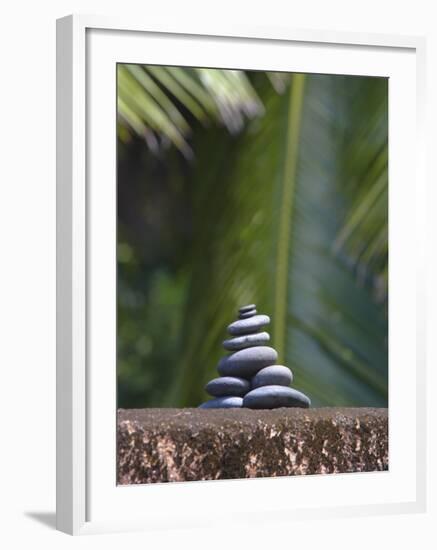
(247,311)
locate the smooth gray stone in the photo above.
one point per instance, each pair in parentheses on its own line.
(247,308)
(221,365)
(225,402)
(248,326)
(247,362)
(248,314)
(247,341)
(228,385)
(274,375)
(273,397)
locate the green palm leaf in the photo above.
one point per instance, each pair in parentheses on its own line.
(336,336)
(363,236)
(168,100)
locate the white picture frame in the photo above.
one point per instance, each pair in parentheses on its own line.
(86,500)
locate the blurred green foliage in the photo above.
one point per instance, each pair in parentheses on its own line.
(238,187)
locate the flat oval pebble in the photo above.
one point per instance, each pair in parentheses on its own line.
(272,397)
(246,308)
(248,314)
(228,385)
(247,341)
(226,402)
(274,375)
(247,362)
(248,326)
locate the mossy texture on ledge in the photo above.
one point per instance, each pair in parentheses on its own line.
(159,445)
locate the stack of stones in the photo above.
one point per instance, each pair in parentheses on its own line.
(249,376)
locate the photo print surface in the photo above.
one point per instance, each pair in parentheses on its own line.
(252,274)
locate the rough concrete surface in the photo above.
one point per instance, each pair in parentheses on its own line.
(158,445)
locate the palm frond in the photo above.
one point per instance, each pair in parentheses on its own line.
(336,334)
(364,178)
(168,100)
(286,201)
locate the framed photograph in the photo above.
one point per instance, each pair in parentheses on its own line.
(240,275)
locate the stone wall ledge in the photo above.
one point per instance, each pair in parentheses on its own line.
(160,445)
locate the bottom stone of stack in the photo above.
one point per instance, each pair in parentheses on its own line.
(224,402)
(272,397)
